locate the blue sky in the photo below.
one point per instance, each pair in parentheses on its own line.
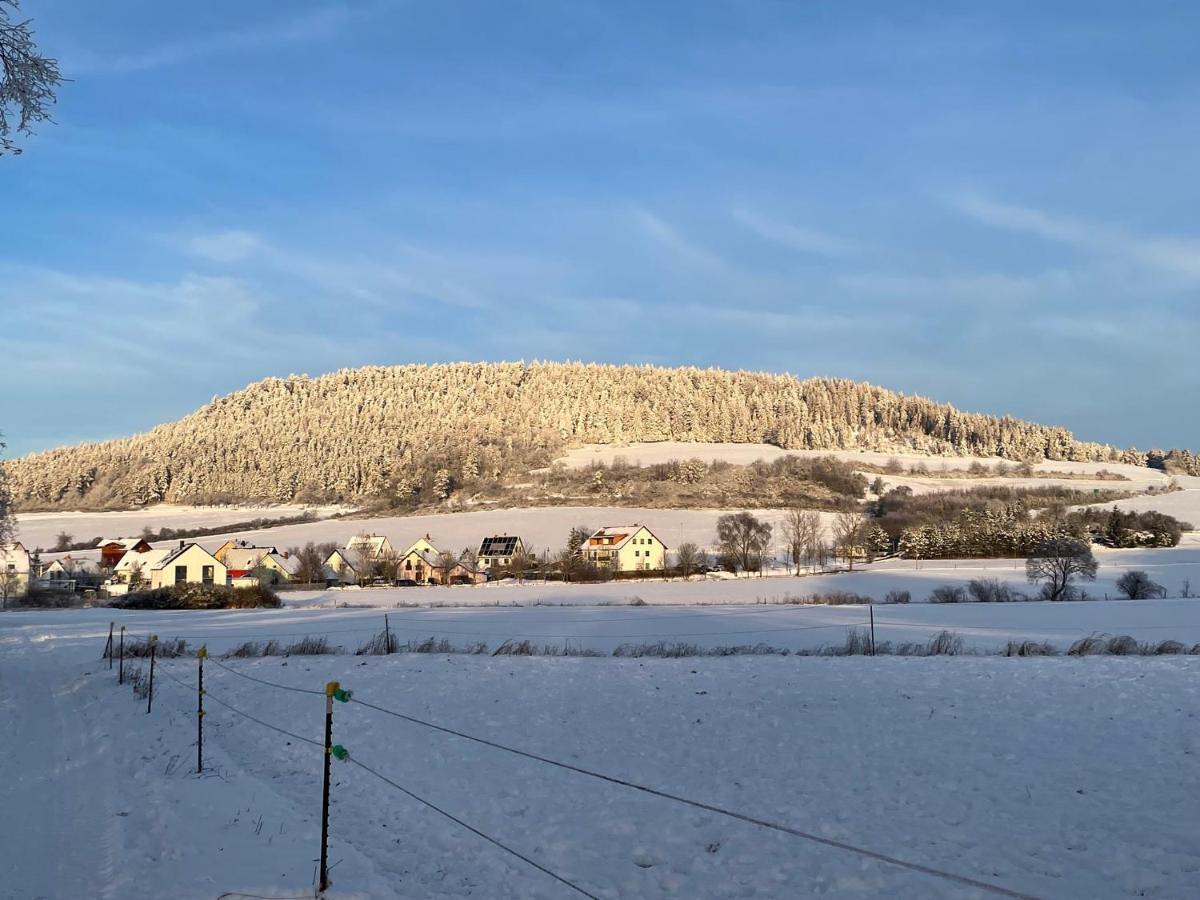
(989,204)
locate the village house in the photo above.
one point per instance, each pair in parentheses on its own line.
(625,548)
(69,574)
(112,549)
(370,546)
(133,569)
(498,551)
(188,564)
(423,563)
(14,571)
(240,560)
(419,561)
(278,568)
(339,568)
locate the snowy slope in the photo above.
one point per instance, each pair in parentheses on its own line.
(41,529)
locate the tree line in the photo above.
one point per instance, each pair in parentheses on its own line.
(433,431)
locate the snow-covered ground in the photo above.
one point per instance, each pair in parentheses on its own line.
(42,529)
(1054,777)
(541,528)
(1176,569)
(983,627)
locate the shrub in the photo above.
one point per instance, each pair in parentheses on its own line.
(992,590)
(1137,585)
(379,645)
(1029,648)
(311,646)
(139,648)
(1169,648)
(431,645)
(948,593)
(200,596)
(897,597)
(944,643)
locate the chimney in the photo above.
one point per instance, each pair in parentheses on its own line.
(181,545)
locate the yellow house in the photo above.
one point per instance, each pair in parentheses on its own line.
(282,567)
(625,548)
(372,546)
(188,564)
(338,567)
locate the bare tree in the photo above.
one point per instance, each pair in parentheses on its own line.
(388,565)
(849,529)
(743,540)
(28,80)
(365,562)
(802,534)
(446,563)
(522,562)
(63,541)
(1137,585)
(568,562)
(688,557)
(1060,561)
(7,525)
(311,568)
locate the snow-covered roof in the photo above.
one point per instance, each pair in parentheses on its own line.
(289,564)
(613,537)
(244,558)
(147,559)
(340,554)
(376,542)
(175,553)
(75,566)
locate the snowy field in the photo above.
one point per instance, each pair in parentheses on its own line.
(1138,478)
(541,528)
(41,529)
(1052,778)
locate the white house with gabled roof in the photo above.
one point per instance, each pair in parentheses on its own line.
(188,564)
(625,548)
(14,570)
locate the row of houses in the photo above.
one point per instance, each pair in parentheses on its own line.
(621,548)
(126,564)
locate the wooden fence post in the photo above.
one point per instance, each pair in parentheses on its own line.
(108,654)
(121,664)
(387,636)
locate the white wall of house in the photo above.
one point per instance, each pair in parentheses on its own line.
(194,565)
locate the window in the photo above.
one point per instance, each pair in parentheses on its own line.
(208,574)
(180,574)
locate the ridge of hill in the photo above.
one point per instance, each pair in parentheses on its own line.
(388,433)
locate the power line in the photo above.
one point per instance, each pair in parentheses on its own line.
(473,830)
(282,687)
(246,715)
(708,807)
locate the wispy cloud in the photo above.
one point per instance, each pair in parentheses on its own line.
(224,246)
(309,26)
(794,237)
(1178,257)
(666,235)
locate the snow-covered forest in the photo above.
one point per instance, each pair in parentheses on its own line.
(430,430)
